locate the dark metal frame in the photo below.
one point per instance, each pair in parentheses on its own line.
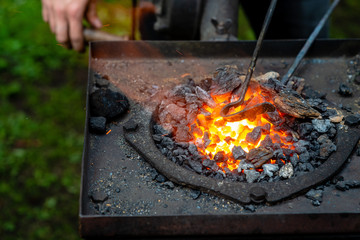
(270,221)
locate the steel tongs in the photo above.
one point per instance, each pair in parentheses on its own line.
(240,91)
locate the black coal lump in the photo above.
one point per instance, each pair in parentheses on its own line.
(357,79)
(97,124)
(184,145)
(300,150)
(305,129)
(160,178)
(332,132)
(131,125)
(238,152)
(267,142)
(322,125)
(326,149)
(219,176)
(250,208)
(345,107)
(346,185)
(254,136)
(337,179)
(279,163)
(308,92)
(108,104)
(314,135)
(178,151)
(169,154)
(353,183)
(195,194)
(294,159)
(193,149)
(309,167)
(315,196)
(164,150)
(208,163)
(153,174)
(288,152)
(302,167)
(157,137)
(352,120)
(169,185)
(173,159)
(197,166)
(180,159)
(158,129)
(345,90)
(341,186)
(330,112)
(167,143)
(101,81)
(321,107)
(220,157)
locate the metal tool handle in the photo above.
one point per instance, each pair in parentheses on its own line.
(308,43)
(240,91)
(97,35)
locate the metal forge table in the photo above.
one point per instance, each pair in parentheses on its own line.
(129,202)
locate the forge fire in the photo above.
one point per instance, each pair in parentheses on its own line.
(218,139)
(277,144)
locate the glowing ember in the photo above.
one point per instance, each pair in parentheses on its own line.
(273,136)
(218,136)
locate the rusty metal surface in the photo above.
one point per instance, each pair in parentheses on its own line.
(139,206)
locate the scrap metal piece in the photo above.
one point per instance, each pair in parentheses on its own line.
(294,105)
(250,113)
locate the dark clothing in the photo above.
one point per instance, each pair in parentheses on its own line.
(292,19)
(191,19)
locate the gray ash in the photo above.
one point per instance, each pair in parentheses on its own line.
(305,143)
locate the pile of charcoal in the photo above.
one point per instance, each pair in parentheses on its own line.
(310,123)
(106,104)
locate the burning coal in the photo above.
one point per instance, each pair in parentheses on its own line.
(279,143)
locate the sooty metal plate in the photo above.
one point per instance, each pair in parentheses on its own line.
(138,133)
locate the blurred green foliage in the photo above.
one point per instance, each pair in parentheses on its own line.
(244,29)
(42,118)
(345,20)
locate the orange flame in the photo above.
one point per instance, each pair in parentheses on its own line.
(217,135)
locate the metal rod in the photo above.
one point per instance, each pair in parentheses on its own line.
(240,91)
(308,43)
(133,19)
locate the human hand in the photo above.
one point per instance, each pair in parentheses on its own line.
(65,20)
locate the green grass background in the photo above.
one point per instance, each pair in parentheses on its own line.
(42,101)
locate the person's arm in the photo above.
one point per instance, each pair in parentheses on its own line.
(65,20)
